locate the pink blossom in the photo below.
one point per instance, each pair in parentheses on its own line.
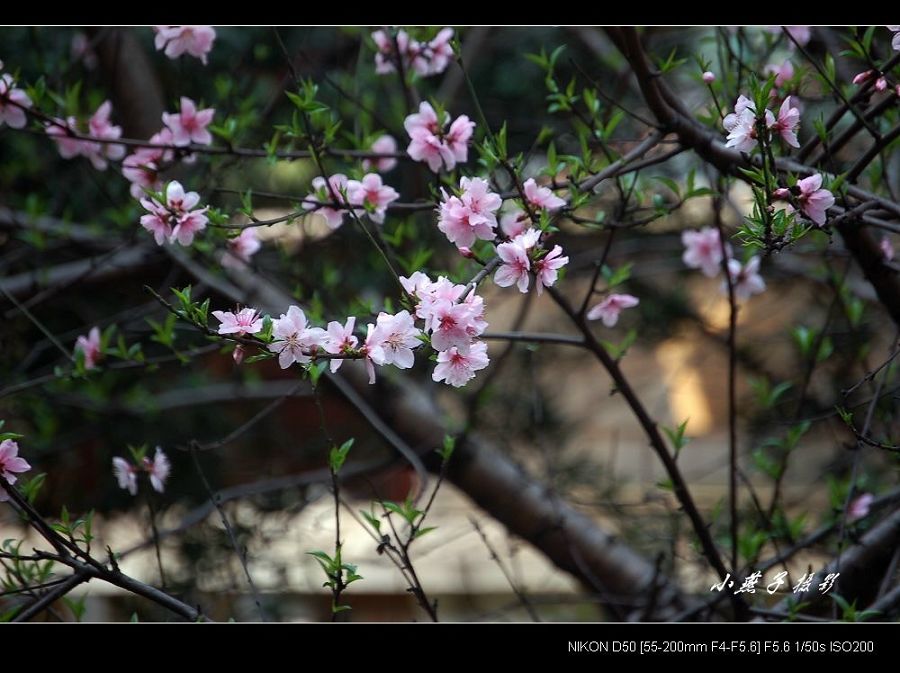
(385,57)
(189,125)
(458,138)
(741,104)
(471,215)
(514,268)
(395,336)
(373,351)
(441,51)
(426,118)
(176,40)
(142,167)
(177,213)
(887,250)
(189,224)
(451,325)
(814,201)
(371,192)
(383,145)
(430,293)
(742,129)
(787,123)
(782,193)
(187,221)
(541,197)
(708,77)
(895,41)
(68,146)
(416,283)
(10,465)
(90,346)
(10,100)
(863,77)
(241,248)
(428,142)
(703,250)
(424,59)
(427,147)
(330,192)
(456,368)
(158,221)
(477,324)
(245,321)
(547,267)
(608,310)
(100,127)
(801,34)
(126,474)
(859,506)
(745,279)
(514,222)
(295,341)
(881,84)
(783,72)
(340,340)
(158,469)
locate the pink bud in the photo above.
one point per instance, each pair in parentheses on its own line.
(880,84)
(863,77)
(781,193)
(238,354)
(466,252)
(898,89)
(709,77)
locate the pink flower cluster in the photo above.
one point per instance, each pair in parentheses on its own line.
(158,470)
(99,127)
(390,341)
(813,200)
(881,83)
(471,215)
(176,219)
(177,40)
(741,124)
(189,125)
(429,142)
(10,465)
(142,167)
(89,346)
(522,255)
(12,100)
(703,250)
(423,58)
(454,322)
(369,195)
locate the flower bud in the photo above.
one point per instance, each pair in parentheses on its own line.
(709,77)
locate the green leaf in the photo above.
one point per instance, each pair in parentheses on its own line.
(338,455)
